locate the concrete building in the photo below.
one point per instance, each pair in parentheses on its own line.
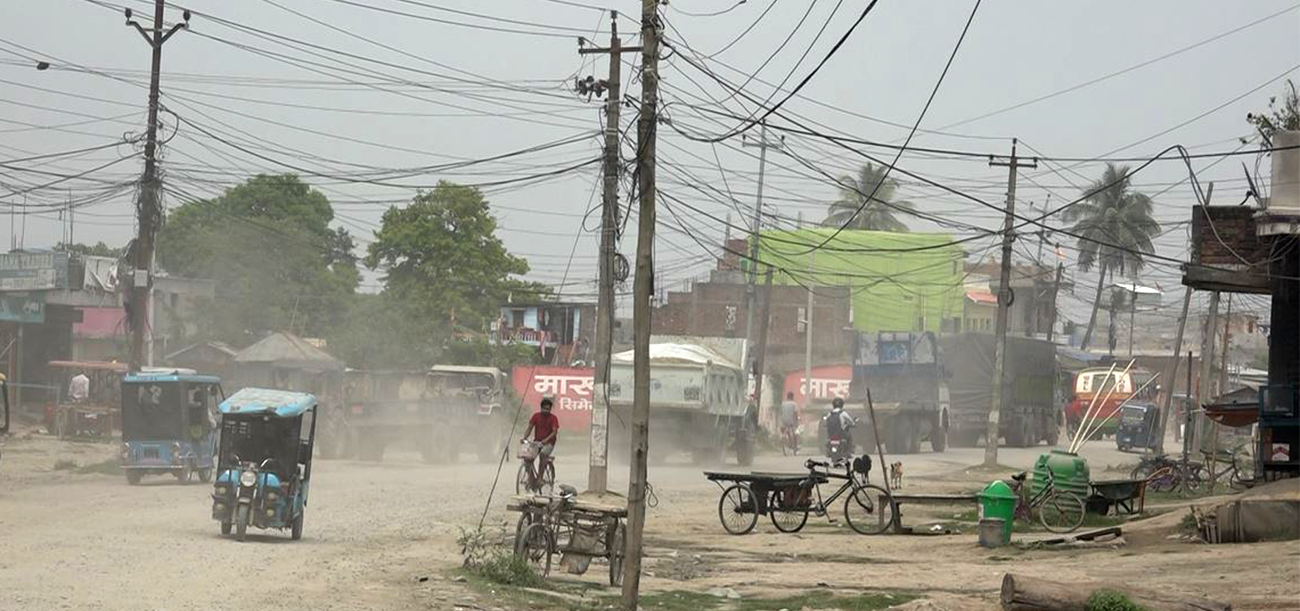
(562,331)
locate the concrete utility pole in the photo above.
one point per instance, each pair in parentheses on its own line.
(598,460)
(149,208)
(751,277)
(764,321)
(643,288)
(1173,372)
(1004,303)
(1207,359)
(808,338)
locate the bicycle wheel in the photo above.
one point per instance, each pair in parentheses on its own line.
(535,548)
(1163,479)
(1061,512)
(1195,479)
(521,479)
(546,481)
(788,509)
(865,512)
(737,510)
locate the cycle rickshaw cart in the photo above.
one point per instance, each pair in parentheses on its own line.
(788,498)
(576,529)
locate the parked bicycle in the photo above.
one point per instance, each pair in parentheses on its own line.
(1166,474)
(531,479)
(1059,511)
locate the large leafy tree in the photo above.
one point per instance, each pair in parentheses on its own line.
(444,268)
(880,213)
(268,245)
(1115,230)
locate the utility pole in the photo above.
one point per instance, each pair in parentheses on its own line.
(1223,352)
(751,277)
(992,434)
(148,208)
(808,338)
(1207,359)
(1173,371)
(764,321)
(643,288)
(598,460)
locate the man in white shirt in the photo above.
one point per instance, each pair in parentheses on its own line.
(79,389)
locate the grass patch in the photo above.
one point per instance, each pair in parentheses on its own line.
(678,600)
(1109,600)
(495,563)
(821,599)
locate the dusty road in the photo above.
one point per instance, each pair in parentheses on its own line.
(86,540)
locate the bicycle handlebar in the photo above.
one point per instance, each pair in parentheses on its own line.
(812,464)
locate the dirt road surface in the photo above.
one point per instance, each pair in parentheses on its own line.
(382,536)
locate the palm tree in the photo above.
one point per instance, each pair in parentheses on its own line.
(1115,230)
(877,214)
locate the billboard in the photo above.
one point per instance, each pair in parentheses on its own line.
(570,387)
(828,382)
(22,308)
(33,271)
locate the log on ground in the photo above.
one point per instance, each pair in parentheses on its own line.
(1022,593)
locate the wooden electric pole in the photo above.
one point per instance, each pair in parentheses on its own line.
(643,288)
(764,321)
(1004,304)
(1056,292)
(1173,373)
(149,204)
(598,460)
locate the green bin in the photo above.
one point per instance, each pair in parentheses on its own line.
(997,501)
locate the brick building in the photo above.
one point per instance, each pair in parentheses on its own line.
(716,308)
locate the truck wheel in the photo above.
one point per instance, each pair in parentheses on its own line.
(938,436)
(1053,435)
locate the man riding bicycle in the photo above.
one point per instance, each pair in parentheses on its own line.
(839,434)
(790,423)
(544,427)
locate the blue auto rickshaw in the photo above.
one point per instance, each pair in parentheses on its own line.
(264,461)
(169,425)
(1139,427)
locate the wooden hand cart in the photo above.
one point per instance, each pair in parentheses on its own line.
(788,498)
(576,529)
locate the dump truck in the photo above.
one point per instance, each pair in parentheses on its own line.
(440,412)
(698,401)
(1029,414)
(904,372)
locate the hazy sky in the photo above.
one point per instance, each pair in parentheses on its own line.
(445,93)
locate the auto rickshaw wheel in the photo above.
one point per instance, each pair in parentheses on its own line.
(241,523)
(295,531)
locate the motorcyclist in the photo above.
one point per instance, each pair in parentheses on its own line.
(839,427)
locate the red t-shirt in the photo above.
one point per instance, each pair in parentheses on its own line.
(544,424)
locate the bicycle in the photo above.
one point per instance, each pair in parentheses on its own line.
(1059,511)
(529,479)
(789,440)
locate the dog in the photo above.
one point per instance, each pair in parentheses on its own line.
(896,475)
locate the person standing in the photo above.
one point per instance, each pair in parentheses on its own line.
(790,423)
(79,388)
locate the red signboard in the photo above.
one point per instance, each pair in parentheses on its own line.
(570,387)
(828,382)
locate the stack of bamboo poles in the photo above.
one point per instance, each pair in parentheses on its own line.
(1089,427)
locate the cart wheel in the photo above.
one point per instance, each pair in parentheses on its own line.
(737,509)
(615,545)
(525,520)
(788,509)
(535,548)
(866,514)
(1061,513)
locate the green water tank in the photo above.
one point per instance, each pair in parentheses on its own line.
(998,502)
(1071,471)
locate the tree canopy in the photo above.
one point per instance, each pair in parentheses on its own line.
(854,210)
(268,245)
